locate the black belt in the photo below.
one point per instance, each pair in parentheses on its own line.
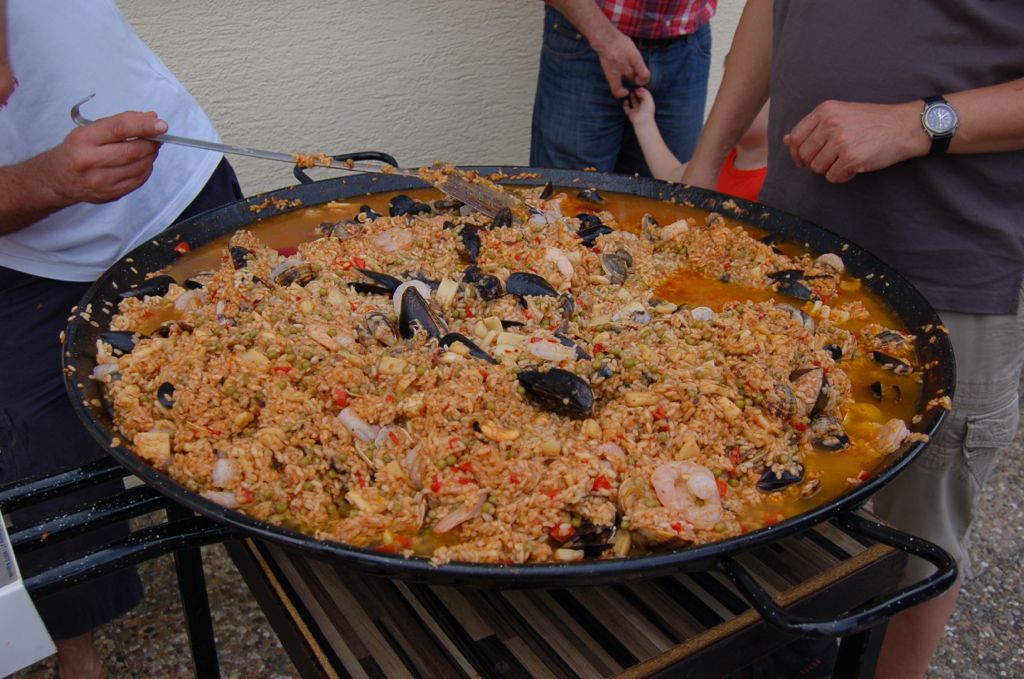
(656,43)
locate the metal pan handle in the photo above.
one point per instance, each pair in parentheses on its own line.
(865,616)
(304,178)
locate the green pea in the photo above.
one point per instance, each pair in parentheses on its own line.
(576,522)
(624,524)
(451,459)
(281,507)
(488,508)
(308,485)
(493,499)
(629,363)
(651,502)
(441,464)
(431,513)
(720,527)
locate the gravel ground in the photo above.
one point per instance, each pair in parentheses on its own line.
(982,639)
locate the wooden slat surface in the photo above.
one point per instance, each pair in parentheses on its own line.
(377,627)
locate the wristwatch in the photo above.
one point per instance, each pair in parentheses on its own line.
(939,121)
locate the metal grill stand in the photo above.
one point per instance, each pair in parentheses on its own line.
(183,533)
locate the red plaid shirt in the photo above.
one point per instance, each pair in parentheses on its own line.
(653,19)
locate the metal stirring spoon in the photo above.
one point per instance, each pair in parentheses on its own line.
(481,196)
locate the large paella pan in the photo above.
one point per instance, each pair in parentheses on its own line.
(597,517)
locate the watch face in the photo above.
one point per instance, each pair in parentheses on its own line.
(940,118)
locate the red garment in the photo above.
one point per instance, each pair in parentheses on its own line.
(655,19)
(740,183)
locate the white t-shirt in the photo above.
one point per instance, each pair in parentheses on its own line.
(62,51)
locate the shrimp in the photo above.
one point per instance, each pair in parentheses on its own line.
(690,489)
(557,256)
(891,436)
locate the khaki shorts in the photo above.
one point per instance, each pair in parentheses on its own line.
(936,498)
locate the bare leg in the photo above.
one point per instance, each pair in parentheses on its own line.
(78,659)
(913,636)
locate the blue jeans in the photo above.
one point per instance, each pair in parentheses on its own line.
(577,123)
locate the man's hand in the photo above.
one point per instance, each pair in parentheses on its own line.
(620,59)
(95,164)
(842,139)
(639,107)
(106,160)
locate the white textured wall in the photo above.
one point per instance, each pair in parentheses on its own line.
(424,80)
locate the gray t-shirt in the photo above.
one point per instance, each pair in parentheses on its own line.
(952,224)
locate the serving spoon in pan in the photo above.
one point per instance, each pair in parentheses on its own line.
(478,194)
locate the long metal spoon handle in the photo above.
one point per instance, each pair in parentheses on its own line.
(289,158)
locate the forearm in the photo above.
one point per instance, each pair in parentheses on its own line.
(991,118)
(660,160)
(588,19)
(26,196)
(744,89)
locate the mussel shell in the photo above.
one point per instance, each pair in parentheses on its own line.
(416,314)
(794,289)
(390,283)
(889,338)
(581,355)
(378,328)
(616,267)
(799,315)
(879,391)
(817,381)
(239,256)
(526,284)
(589,234)
(442,204)
(404,205)
(593,540)
(120,340)
(834,350)
(370,288)
(474,350)
(770,240)
(503,219)
(340,230)
(770,482)
(827,432)
(165,395)
(156,286)
(192,284)
(293,271)
(487,286)
(558,391)
(787,275)
(368,212)
(471,243)
(591,196)
(547,191)
(897,365)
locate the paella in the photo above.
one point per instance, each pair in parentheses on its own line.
(430,381)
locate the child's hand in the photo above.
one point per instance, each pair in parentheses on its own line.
(639,106)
